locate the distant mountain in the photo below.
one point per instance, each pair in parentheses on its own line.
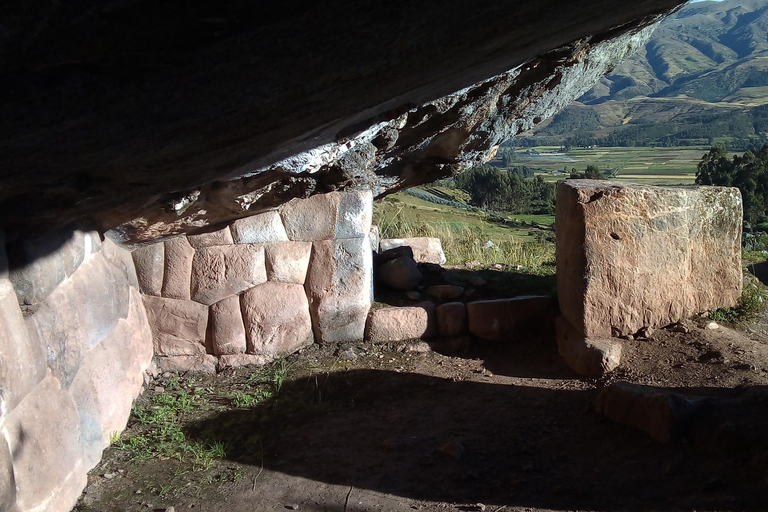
(707,64)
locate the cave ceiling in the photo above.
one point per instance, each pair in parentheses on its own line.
(152,118)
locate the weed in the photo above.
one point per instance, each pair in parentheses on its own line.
(752,302)
(114,438)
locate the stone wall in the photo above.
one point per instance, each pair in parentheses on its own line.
(74,346)
(261,287)
(633,257)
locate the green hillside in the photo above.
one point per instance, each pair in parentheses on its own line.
(703,77)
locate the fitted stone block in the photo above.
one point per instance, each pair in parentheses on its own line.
(276,318)
(227,328)
(220,237)
(397,324)
(43,433)
(287,262)
(311,219)
(425,249)
(178,268)
(150,265)
(506,319)
(224,270)
(178,326)
(263,228)
(22,359)
(339,284)
(78,315)
(588,357)
(633,256)
(355,212)
(451,319)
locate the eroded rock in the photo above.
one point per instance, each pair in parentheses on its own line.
(397,324)
(632,256)
(224,270)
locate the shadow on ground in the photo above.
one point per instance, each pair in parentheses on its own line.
(429,438)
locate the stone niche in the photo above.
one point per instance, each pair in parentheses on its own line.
(262,286)
(631,257)
(74,346)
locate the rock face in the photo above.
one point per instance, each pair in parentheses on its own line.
(632,256)
(280,128)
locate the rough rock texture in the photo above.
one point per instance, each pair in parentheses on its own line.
(397,324)
(451,319)
(506,319)
(277,319)
(339,288)
(588,357)
(178,266)
(87,85)
(425,249)
(224,270)
(259,229)
(633,256)
(220,237)
(659,413)
(203,363)
(288,262)
(237,360)
(227,328)
(45,426)
(150,264)
(178,326)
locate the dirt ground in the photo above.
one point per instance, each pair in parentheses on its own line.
(465,426)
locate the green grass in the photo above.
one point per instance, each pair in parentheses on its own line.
(517,240)
(652,166)
(753,301)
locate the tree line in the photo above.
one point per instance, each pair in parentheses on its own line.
(507,190)
(748,172)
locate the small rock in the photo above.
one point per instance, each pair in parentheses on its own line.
(420,347)
(138,491)
(413,295)
(159,389)
(170,509)
(712,326)
(444,292)
(349,353)
(644,333)
(679,327)
(292,506)
(109,476)
(477,281)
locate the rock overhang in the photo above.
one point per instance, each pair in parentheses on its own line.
(161,120)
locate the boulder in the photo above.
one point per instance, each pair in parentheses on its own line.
(178,268)
(660,414)
(287,262)
(37,267)
(403,251)
(263,228)
(311,219)
(205,363)
(339,287)
(227,328)
(45,427)
(400,273)
(425,249)
(150,265)
(397,324)
(178,326)
(507,319)
(443,292)
(588,357)
(277,319)
(634,256)
(224,270)
(22,357)
(120,259)
(219,237)
(7,480)
(451,319)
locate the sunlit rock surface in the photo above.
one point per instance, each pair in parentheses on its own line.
(160,118)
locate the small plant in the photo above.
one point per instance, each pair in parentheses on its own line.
(752,302)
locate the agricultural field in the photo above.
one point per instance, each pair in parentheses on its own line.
(651,166)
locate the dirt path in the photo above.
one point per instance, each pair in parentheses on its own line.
(491,427)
